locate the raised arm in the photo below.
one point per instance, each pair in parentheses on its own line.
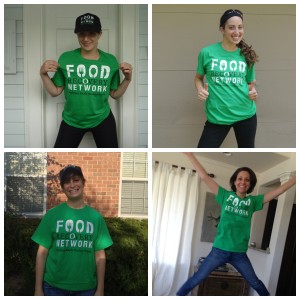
(127,72)
(212,185)
(280,190)
(50,66)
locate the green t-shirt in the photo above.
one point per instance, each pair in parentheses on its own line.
(72,236)
(87,85)
(227,75)
(233,232)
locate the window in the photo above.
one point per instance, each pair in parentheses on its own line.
(25,182)
(134,194)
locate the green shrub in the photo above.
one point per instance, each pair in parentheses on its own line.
(126,266)
(127,260)
(19,255)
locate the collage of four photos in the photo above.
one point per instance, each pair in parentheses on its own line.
(149,149)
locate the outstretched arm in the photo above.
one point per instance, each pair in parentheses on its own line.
(212,185)
(280,190)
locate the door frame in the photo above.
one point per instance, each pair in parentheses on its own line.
(33,19)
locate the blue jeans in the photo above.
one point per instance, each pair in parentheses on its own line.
(218,257)
(53,291)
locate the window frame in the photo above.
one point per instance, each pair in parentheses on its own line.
(15,175)
(134,179)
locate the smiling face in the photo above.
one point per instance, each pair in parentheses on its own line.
(88,40)
(242,183)
(233,31)
(73,188)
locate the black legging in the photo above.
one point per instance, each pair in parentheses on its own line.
(105,134)
(213,135)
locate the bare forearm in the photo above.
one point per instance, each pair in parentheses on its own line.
(212,185)
(196,164)
(280,190)
(100,266)
(51,88)
(198,83)
(39,273)
(121,89)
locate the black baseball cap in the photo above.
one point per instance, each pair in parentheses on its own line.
(88,22)
(66,173)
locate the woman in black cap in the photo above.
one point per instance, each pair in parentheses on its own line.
(88,76)
(229,91)
(72,239)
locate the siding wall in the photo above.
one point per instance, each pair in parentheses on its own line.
(143,78)
(14,115)
(180,31)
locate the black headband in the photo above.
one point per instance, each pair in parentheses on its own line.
(229,14)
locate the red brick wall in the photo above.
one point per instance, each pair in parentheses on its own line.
(102,174)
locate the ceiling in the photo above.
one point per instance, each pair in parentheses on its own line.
(259,161)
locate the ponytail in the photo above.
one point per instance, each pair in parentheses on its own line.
(249,54)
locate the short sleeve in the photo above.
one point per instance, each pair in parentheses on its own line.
(259,202)
(221,195)
(103,239)
(58,79)
(200,67)
(115,81)
(250,74)
(43,234)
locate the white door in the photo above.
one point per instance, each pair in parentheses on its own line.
(59,37)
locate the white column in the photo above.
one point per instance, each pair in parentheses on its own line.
(280,229)
(128,53)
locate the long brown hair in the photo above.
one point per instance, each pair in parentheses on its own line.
(249,54)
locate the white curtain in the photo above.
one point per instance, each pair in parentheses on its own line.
(174,198)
